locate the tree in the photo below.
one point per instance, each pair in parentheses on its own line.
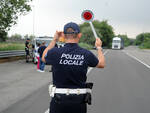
(10,10)
(132,41)
(127,41)
(141,37)
(29,36)
(146,43)
(26,36)
(87,35)
(3,35)
(143,40)
(16,37)
(103,30)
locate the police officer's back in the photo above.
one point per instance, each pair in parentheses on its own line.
(70,64)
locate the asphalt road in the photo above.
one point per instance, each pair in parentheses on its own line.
(123,86)
(18,80)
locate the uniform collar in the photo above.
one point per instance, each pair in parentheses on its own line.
(71,44)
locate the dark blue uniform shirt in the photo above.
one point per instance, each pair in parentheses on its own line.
(41,50)
(70,65)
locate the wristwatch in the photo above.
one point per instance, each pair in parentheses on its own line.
(99,48)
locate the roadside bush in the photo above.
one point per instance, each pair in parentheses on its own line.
(145,44)
(86,46)
(141,38)
(11,46)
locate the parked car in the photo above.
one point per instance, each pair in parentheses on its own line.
(39,40)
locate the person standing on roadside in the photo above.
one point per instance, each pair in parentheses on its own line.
(70,93)
(38,57)
(40,51)
(27,45)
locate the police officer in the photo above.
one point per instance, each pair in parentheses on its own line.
(70,64)
(27,45)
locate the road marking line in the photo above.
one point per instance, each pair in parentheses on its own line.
(106,52)
(137,59)
(47,111)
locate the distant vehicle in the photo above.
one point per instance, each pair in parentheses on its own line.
(35,43)
(117,43)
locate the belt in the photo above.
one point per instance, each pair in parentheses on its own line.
(67,91)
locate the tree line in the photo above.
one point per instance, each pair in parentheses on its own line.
(19,37)
(106,33)
(10,10)
(143,40)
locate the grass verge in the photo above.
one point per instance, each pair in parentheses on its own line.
(11,46)
(20,46)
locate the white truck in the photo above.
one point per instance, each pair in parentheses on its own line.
(117,43)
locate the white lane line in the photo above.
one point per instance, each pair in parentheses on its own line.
(106,52)
(137,59)
(47,111)
(89,69)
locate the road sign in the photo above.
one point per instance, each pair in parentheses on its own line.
(87,15)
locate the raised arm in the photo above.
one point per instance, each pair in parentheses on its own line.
(101,58)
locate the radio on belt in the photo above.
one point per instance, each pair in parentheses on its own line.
(88,97)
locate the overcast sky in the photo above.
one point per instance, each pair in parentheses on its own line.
(129,17)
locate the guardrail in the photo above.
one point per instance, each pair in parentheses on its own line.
(5,54)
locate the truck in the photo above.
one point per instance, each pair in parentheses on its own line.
(117,43)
